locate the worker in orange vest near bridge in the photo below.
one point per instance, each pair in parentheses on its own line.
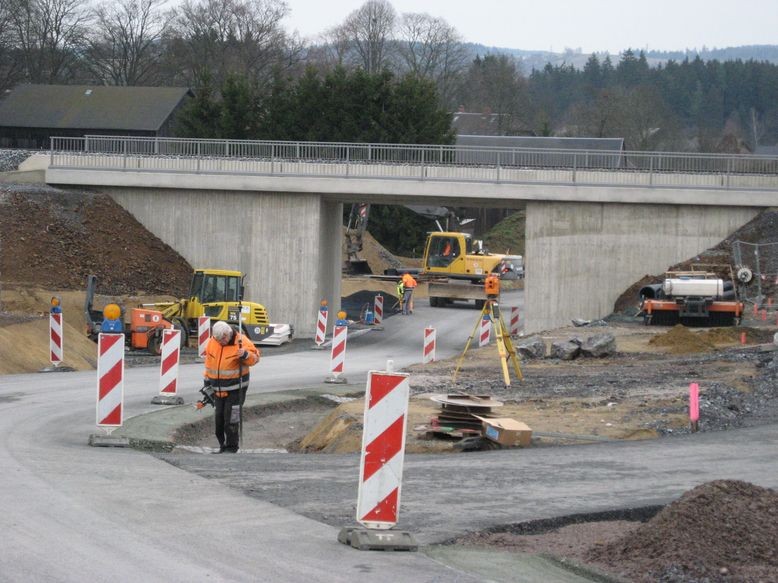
(409,284)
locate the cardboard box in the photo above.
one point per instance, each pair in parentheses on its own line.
(506,431)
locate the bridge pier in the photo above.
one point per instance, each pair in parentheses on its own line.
(289,245)
(582,256)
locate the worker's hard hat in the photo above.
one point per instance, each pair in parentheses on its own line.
(221,330)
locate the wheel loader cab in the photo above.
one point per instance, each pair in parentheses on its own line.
(216,286)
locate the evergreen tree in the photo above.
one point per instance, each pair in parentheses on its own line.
(200,117)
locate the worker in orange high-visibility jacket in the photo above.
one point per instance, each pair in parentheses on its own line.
(409,284)
(228,356)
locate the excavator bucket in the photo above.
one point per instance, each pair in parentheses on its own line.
(358,267)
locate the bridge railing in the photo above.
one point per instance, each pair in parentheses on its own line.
(420,162)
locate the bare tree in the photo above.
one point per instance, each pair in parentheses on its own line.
(9,65)
(336,47)
(124,46)
(48,35)
(218,37)
(368,32)
(431,48)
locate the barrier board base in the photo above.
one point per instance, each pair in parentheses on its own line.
(365,539)
(97,440)
(336,380)
(59,368)
(165,400)
(317,347)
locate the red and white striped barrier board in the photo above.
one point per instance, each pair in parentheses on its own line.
(55,339)
(514,325)
(110,380)
(485,331)
(383,449)
(203,334)
(338,355)
(321,326)
(378,309)
(168,369)
(428,355)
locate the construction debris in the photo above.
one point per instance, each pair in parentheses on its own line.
(469,418)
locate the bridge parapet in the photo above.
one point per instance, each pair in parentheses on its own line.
(426,163)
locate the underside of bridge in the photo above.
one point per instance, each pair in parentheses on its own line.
(289,245)
(581,256)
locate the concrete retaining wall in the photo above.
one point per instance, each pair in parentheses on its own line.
(286,243)
(580,257)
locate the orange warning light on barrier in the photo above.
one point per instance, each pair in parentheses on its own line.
(112,312)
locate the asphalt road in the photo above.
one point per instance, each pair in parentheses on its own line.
(71,512)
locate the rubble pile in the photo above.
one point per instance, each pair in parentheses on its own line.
(726,530)
(53,238)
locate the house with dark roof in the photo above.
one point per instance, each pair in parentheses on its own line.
(31,114)
(514,151)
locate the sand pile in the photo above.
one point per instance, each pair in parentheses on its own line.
(725,530)
(680,340)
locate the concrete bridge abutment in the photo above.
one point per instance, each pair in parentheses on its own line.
(288,244)
(582,255)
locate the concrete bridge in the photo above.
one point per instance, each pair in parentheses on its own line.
(596,221)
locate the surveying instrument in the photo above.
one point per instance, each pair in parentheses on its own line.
(491,310)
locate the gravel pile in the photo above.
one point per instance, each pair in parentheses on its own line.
(10,159)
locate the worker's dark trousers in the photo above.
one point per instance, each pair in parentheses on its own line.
(407,295)
(227,425)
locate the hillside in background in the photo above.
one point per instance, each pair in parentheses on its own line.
(507,236)
(533,59)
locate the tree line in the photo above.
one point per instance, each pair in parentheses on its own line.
(377,76)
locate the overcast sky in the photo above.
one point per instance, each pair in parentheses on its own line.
(591,25)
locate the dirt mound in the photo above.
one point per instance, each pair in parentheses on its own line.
(53,238)
(377,256)
(725,530)
(680,340)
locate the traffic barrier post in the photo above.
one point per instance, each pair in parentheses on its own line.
(378,309)
(321,327)
(381,465)
(56,348)
(485,333)
(168,369)
(110,390)
(338,355)
(203,334)
(514,325)
(428,354)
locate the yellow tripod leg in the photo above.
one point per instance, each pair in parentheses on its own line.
(512,353)
(469,340)
(501,349)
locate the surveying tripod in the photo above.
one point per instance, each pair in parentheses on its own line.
(505,348)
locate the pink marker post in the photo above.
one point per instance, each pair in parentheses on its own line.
(694,406)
